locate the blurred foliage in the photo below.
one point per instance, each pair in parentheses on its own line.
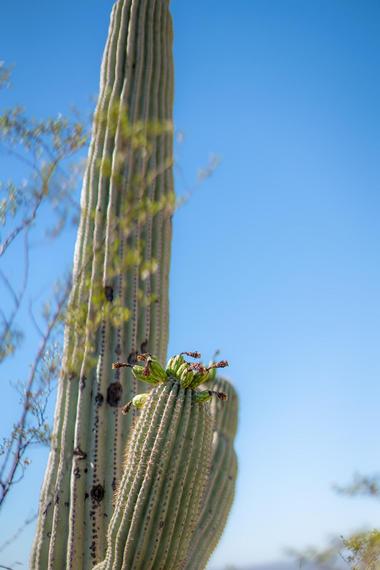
(360,550)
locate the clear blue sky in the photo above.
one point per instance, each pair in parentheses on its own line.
(276,257)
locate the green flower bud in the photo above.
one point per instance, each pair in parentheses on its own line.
(206,395)
(137,402)
(157,371)
(143,374)
(140,400)
(202,397)
(173,364)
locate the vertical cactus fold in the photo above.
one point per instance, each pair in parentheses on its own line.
(119,301)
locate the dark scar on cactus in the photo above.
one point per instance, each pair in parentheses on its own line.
(114,394)
(132,357)
(220,395)
(108,292)
(97,493)
(144,346)
(99,399)
(79,453)
(82,384)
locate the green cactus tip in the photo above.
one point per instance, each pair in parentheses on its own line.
(188,375)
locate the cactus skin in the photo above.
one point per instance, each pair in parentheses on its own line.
(222,482)
(165,477)
(86,458)
(225,417)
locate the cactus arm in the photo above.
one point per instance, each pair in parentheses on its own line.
(222,482)
(219,501)
(161,492)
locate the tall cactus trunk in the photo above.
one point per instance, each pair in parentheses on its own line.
(119,301)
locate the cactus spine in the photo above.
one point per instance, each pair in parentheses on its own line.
(124,234)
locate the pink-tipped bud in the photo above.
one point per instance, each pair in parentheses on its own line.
(192,354)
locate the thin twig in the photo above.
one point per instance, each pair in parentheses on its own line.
(19,445)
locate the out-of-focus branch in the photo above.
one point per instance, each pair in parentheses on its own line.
(22,437)
(363,485)
(18,532)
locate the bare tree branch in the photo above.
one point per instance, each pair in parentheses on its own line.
(12,462)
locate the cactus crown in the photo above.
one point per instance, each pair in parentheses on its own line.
(188,375)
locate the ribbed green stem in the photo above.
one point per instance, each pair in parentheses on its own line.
(163,486)
(218,503)
(85,463)
(222,482)
(225,416)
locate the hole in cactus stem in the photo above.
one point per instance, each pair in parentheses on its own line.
(97,493)
(82,384)
(99,399)
(114,394)
(108,292)
(144,346)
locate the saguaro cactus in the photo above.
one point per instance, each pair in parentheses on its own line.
(119,301)
(118,310)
